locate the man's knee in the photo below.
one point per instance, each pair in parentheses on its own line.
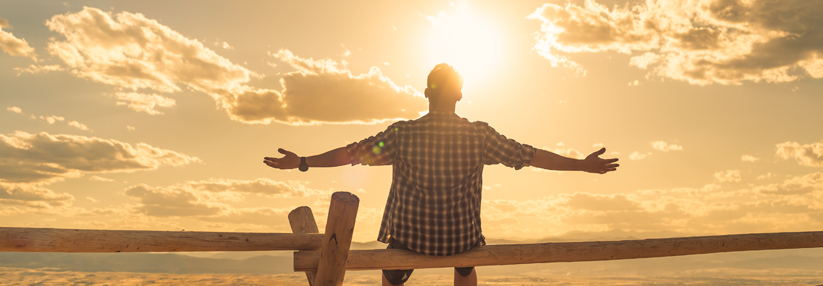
(464,271)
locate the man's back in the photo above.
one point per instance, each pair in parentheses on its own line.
(434,201)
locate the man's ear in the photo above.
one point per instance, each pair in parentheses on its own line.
(459,95)
(426,92)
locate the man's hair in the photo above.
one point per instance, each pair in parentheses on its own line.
(443,75)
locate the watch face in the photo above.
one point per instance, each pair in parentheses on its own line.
(303,166)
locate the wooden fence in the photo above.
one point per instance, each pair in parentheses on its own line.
(326,257)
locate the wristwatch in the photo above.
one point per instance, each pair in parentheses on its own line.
(303,166)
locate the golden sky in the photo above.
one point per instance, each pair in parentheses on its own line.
(156,115)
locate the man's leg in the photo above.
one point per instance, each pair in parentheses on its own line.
(468,280)
(386,282)
(396,277)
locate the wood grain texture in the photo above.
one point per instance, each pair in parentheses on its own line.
(509,254)
(302,220)
(88,240)
(331,266)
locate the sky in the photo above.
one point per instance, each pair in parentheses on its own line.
(156,115)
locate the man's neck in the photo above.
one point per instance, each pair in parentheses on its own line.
(444,108)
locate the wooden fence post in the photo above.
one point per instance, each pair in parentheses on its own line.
(302,220)
(337,239)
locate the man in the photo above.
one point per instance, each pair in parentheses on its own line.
(437,160)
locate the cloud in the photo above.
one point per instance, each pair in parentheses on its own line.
(207,200)
(100,179)
(801,185)
(638,156)
(52,119)
(224,202)
(810,155)
(132,52)
(587,201)
(164,202)
(322,91)
(701,42)
(34,69)
(261,186)
(793,205)
(225,45)
(27,158)
(665,147)
(34,196)
(566,152)
(749,158)
(79,125)
(14,46)
(728,176)
(143,102)
(768,175)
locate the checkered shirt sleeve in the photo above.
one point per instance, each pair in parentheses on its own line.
(501,150)
(376,150)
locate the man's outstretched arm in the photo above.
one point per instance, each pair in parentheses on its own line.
(592,164)
(333,158)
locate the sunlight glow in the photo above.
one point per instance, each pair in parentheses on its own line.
(468,43)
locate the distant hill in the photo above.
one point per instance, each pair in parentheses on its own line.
(282,264)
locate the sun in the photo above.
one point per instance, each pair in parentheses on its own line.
(472,46)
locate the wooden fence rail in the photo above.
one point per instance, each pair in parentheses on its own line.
(509,254)
(86,240)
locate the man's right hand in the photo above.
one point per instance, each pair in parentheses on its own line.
(290,161)
(593,163)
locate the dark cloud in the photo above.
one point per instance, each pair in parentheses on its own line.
(322,91)
(702,42)
(261,186)
(13,45)
(32,196)
(805,154)
(165,202)
(26,158)
(207,200)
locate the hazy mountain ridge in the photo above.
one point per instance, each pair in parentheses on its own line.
(267,264)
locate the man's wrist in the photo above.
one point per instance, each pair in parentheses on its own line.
(577,165)
(303,165)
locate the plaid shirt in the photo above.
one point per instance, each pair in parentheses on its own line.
(434,202)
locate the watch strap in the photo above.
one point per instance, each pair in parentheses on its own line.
(303,166)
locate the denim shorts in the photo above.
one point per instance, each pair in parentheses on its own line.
(397,277)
